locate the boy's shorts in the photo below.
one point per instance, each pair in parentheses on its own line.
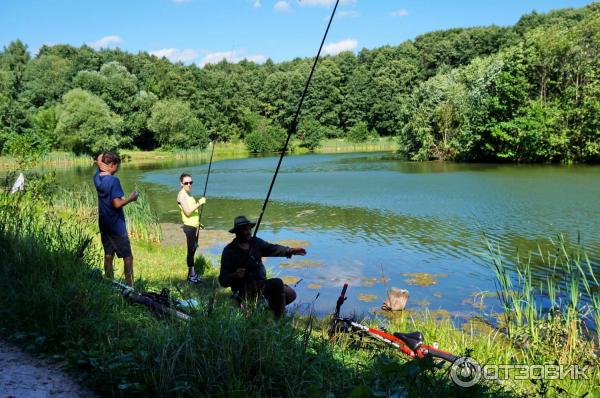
(116,244)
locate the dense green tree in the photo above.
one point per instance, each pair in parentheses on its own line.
(44,126)
(113,83)
(86,124)
(45,80)
(310,133)
(14,59)
(434,116)
(360,133)
(13,115)
(324,100)
(176,126)
(136,121)
(530,92)
(267,137)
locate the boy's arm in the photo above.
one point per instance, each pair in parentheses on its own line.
(119,202)
(117,193)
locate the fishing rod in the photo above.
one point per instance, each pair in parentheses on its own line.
(294,125)
(291,131)
(200,226)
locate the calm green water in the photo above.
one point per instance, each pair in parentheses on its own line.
(362,215)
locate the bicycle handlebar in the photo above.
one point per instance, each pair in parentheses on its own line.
(341,300)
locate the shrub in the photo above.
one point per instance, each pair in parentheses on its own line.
(360,133)
(175,125)
(267,138)
(311,133)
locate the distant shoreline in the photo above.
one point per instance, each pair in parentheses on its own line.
(225,150)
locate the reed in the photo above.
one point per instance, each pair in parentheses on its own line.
(142,220)
(341,146)
(565,287)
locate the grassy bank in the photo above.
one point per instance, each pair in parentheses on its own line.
(226,150)
(50,304)
(51,160)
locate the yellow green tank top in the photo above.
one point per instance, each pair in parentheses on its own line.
(194,219)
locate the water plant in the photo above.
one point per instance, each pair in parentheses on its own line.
(565,298)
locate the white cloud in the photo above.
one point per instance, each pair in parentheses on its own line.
(180,1)
(256,4)
(282,6)
(105,41)
(258,58)
(349,14)
(232,56)
(176,55)
(399,13)
(338,47)
(324,3)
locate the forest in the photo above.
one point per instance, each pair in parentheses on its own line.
(523,93)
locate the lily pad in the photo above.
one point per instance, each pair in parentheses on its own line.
(298,264)
(290,280)
(367,298)
(294,243)
(369,281)
(422,278)
(314,286)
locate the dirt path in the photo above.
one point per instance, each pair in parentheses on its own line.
(24,376)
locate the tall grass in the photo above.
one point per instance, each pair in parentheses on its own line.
(341,145)
(50,160)
(142,221)
(567,325)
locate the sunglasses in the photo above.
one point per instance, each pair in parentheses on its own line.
(188,183)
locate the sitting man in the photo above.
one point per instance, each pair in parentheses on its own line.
(242,268)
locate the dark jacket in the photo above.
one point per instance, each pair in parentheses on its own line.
(234,257)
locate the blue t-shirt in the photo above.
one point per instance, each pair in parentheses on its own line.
(110,219)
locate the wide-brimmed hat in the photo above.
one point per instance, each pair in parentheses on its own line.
(241,221)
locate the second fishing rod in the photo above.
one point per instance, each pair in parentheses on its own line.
(200,226)
(292,131)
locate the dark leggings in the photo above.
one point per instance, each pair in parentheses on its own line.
(190,237)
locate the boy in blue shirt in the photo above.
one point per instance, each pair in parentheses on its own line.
(111,218)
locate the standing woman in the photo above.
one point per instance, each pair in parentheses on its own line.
(191,221)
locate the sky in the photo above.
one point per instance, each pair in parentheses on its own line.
(205,31)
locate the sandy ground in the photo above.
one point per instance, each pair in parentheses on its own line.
(24,376)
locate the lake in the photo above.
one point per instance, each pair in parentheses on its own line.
(376,221)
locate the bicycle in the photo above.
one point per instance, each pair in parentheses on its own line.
(410,344)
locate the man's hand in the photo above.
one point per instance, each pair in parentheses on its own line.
(239,273)
(133,197)
(296,251)
(201,201)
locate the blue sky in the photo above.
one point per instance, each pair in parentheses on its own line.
(202,31)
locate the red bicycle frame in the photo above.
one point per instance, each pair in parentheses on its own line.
(401,341)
